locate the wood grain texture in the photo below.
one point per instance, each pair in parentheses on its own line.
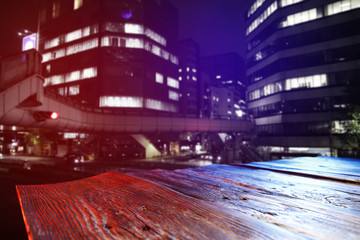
(117,206)
(213,202)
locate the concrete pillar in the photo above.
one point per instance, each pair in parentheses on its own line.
(150,149)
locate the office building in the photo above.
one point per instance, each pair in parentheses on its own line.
(109,54)
(301,55)
(226,85)
(189,77)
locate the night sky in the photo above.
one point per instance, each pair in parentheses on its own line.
(217,25)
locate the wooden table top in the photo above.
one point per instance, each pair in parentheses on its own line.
(301,198)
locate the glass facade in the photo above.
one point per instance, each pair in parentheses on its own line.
(298,66)
(115,57)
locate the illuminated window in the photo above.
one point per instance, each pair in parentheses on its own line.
(165,54)
(73,35)
(285,3)
(341,6)
(62,91)
(255,6)
(174,59)
(173,95)
(134,43)
(258,56)
(86,31)
(134,28)
(269,89)
(159,78)
(89,73)
(159,105)
(254,94)
(74,90)
(105,41)
(300,17)
(73,76)
(55,9)
(114,27)
(58,79)
(313,81)
(78,4)
(156,50)
(121,101)
(270,10)
(52,43)
(59,53)
(156,37)
(171,82)
(194,78)
(80,47)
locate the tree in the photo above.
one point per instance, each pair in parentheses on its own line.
(352,135)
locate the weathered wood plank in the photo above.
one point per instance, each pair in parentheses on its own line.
(316,208)
(117,206)
(336,168)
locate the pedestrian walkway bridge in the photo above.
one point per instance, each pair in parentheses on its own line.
(22,93)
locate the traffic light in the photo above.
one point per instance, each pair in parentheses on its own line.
(43,115)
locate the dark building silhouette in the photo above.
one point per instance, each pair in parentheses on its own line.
(300,57)
(227,84)
(189,77)
(112,54)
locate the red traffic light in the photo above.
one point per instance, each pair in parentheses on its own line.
(43,115)
(54,115)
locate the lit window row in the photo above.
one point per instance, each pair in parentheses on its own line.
(172,82)
(255,6)
(154,36)
(122,42)
(268,89)
(126,42)
(341,6)
(71,76)
(121,101)
(285,3)
(135,102)
(81,47)
(69,91)
(269,10)
(313,81)
(72,49)
(132,28)
(301,17)
(72,36)
(160,106)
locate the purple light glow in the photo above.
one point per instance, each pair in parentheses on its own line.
(126,14)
